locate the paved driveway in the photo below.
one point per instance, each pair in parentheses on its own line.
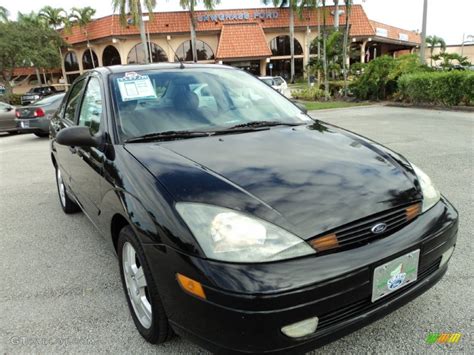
(60,289)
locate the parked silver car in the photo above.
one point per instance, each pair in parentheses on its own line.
(35,118)
(276,82)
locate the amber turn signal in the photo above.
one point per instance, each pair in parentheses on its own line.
(191,286)
(413,211)
(325,242)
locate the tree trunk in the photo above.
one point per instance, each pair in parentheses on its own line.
(63,69)
(141,25)
(319,45)
(345,48)
(325,57)
(192,23)
(292,43)
(336,15)
(38,77)
(90,49)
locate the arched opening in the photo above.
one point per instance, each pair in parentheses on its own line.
(137,56)
(70,62)
(111,56)
(87,59)
(280,46)
(185,53)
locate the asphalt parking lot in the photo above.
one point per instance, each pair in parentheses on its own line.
(60,286)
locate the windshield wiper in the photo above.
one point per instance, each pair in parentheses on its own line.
(259,124)
(168,135)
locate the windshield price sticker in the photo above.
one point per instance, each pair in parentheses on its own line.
(133,87)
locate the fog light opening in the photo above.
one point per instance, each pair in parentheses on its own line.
(301,329)
(446,256)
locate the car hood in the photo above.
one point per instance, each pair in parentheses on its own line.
(307,179)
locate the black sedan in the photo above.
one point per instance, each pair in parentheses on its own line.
(240,222)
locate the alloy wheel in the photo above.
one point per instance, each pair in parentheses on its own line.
(136,285)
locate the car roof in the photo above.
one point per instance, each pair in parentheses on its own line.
(117,69)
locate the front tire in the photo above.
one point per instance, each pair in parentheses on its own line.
(140,290)
(68,205)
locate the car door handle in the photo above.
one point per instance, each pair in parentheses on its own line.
(73,150)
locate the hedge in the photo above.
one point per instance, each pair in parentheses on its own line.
(445,88)
(309,94)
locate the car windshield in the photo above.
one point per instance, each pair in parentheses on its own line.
(49,100)
(195,99)
(268,81)
(278,81)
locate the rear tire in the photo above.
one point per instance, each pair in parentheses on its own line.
(140,290)
(68,205)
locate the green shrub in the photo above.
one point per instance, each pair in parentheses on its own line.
(468,89)
(312,93)
(15,99)
(380,76)
(335,87)
(445,88)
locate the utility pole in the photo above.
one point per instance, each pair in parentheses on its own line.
(423,33)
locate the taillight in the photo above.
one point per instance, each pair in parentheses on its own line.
(39,112)
(17,113)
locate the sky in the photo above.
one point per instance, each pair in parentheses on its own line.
(447,19)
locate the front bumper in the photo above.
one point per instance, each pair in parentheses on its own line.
(40,125)
(248,304)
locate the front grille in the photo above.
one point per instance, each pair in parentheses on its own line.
(360,232)
(365,305)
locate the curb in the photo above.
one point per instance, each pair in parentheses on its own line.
(431,107)
(375,104)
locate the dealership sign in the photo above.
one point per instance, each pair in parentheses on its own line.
(238,16)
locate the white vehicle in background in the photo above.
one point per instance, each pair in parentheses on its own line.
(276,82)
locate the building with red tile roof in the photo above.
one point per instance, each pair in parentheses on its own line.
(256,39)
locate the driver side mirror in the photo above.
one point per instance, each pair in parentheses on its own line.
(77,136)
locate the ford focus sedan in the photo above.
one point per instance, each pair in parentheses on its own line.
(243,224)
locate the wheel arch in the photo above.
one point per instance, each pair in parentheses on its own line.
(117,223)
(120,209)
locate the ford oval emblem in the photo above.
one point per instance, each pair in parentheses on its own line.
(379,228)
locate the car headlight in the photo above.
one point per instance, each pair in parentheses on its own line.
(228,235)
(431,194)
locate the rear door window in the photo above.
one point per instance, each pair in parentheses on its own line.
(73,101)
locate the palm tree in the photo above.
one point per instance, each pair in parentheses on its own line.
(83,16)
(134,9)
(345,46)
(321,33)
(190,5)
(292,5)
(432,42)
(56,18)
(3,14)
